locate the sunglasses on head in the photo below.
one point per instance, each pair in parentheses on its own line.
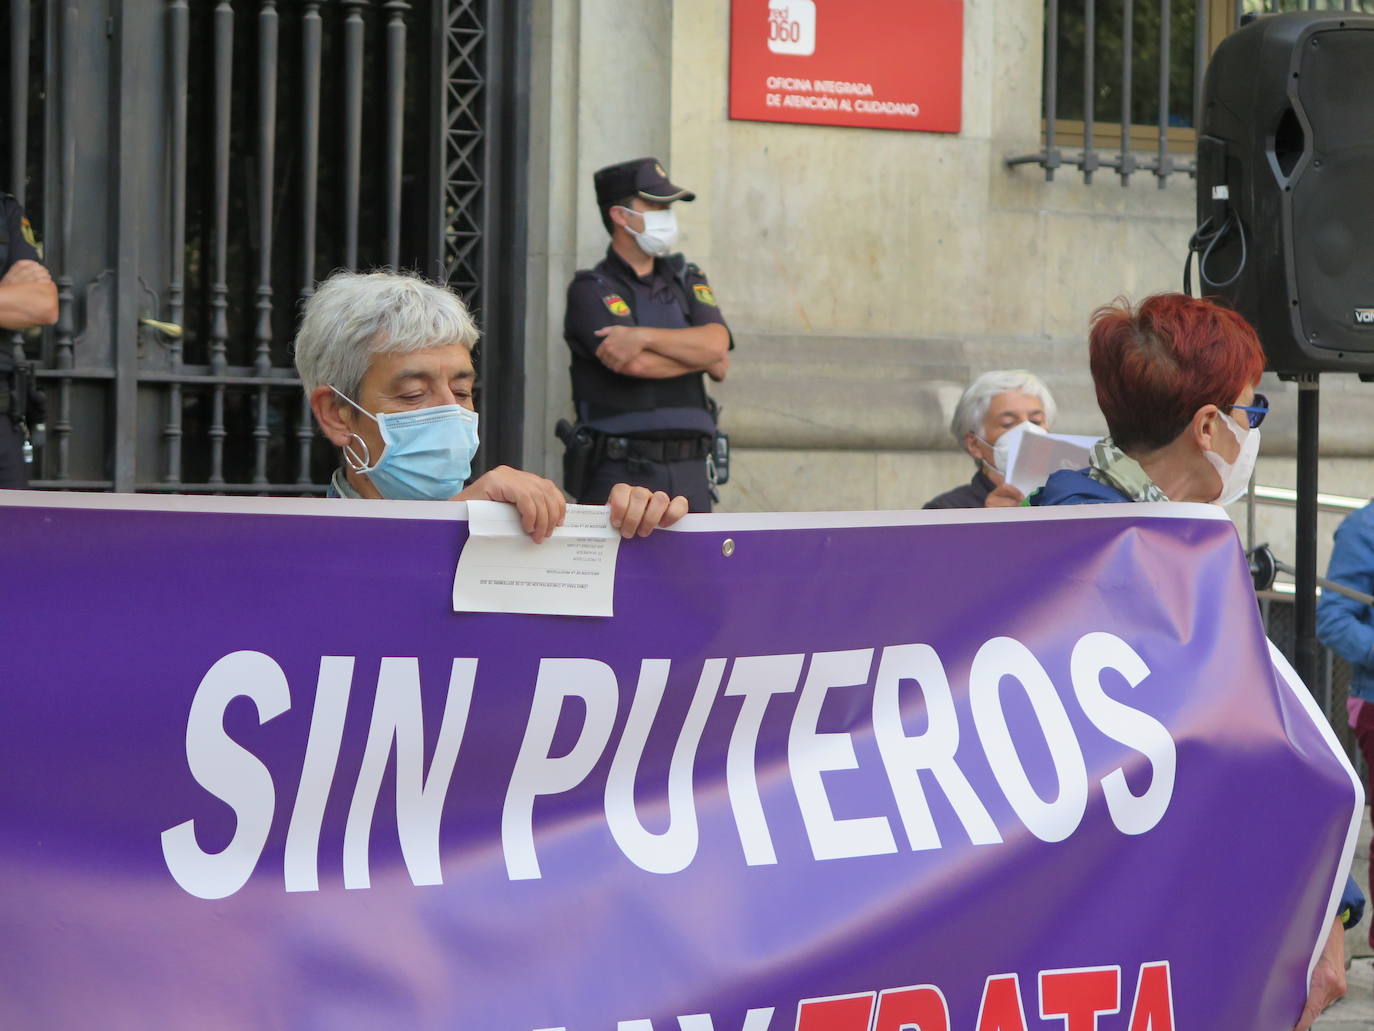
(1255,411)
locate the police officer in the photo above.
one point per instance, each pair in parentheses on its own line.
(27,298)
(643,327)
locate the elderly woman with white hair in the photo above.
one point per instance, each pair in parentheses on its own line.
(990,406)
(386,361)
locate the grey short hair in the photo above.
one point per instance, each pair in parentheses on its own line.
(355,315)
(972,408)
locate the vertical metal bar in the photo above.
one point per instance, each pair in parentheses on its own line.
(178,26)
(267,144)
(505,227)
(219,289)
(1051,87)
(1126,164)
(1305,594)
(19,97)
(310,142)
(395,122)
(1090,162)
(267,140)
(1200,37)
(1162,163)
(436,205)
(19,120)
(65,344)
(129,57)
(353,125)
(310,167)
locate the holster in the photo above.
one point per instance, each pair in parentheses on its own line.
(579,456)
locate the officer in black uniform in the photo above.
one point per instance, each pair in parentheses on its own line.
(27,298)
(643,327)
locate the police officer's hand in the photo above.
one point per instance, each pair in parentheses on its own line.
(1005,496)
(539,501)
(638,510)
(619,344)
(26,271)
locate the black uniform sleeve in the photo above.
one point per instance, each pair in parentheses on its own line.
(593,303)
(704,309)
(20,245)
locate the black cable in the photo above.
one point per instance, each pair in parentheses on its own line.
(1231,218)
(1205,239)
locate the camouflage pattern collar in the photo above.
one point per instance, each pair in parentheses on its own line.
(1110,465)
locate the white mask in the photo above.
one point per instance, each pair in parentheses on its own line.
(1235,476)
(660,232)
(1009,442)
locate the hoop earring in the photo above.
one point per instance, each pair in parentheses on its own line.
(358,465)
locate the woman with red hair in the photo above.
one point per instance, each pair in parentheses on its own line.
(1175,379)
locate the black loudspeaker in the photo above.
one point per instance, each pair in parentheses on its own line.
(1285,187)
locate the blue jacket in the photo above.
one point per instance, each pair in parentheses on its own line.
(1344,624)
(1076,487)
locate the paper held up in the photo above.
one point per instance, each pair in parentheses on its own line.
(571,573)
(1032,457)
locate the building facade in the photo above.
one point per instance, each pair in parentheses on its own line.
(868,275)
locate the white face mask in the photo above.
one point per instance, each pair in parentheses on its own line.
(660,232)
(1235,476)
(1008,443)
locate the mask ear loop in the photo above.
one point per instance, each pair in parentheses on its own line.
(358,465)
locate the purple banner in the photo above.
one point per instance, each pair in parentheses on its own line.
(985,772)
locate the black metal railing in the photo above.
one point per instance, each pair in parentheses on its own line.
(288,138)
(1131,71)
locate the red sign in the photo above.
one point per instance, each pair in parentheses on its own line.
(879,64)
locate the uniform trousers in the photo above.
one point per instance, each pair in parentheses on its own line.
(687,478)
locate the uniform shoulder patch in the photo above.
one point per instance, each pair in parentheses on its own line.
(615,304)
(26,229)
(704,293)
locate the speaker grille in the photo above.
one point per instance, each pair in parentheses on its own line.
(1333,197)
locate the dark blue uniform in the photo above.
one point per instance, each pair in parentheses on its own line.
(651,432)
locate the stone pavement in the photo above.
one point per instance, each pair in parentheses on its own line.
(1356,1011)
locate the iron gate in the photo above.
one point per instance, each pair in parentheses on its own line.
(195,166)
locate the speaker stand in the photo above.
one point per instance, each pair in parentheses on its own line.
(1305,646)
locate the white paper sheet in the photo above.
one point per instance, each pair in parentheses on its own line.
(1037,455)
(571,573)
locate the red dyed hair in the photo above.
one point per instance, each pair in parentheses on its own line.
(1154,367)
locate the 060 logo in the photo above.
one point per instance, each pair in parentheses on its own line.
(792,27)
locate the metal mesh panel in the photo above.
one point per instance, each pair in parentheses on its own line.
(464,147)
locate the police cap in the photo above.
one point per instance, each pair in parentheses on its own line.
(642,177)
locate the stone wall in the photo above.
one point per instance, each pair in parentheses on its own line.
(867,274)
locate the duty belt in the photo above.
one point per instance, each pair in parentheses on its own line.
(617,449)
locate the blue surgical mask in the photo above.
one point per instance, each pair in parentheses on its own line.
(428,454)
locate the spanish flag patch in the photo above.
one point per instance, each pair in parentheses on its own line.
(615,304)
(704,294)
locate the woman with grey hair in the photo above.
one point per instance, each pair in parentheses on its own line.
(386,361)
(992,404)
